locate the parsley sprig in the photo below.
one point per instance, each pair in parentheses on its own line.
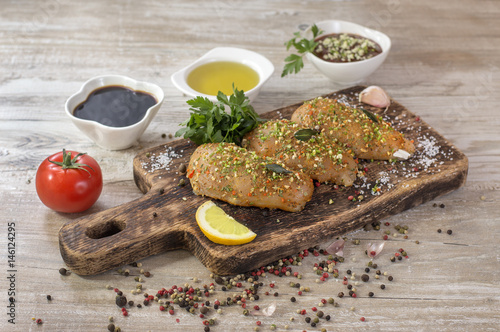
(294,62)
(210,123)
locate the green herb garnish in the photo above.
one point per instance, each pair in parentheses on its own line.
(277,169)
(370,115)
(210,123)
(305,134)
(294,62)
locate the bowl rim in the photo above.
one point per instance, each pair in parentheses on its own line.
(127,82)
(262,65)
(385,50)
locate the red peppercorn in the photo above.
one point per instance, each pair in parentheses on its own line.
(271,285)
(325,275)
(256,307)
(385,237)
(350,198)
(303,312)
(362,319)
(299,292)
(171,311)
(314,309)
(39,321)
(125,313)
(373,253)
(323,301)
(258,323)
(202,316)
(162,308)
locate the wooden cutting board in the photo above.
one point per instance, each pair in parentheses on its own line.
(164,218)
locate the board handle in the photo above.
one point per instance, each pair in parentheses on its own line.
(124,234)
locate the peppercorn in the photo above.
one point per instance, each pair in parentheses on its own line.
(382,286)
(370,294)
(207,329)
(49,298)
(63,271)
(390,278)
(121,301)
(439,230)
(348,272)
(204,310)
(292,299)
(320,314)
(308,319)
(327,317)
(449,232)
(441,206)
(111,327)
(313,324)
(365,277)
(341,294)
(367,270)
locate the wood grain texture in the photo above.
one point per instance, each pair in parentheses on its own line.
(165,218)
(49,48)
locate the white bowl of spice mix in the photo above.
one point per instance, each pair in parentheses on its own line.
(219,69)
(347,52)
(114,110)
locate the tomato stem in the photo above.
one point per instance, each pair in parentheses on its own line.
(70,163)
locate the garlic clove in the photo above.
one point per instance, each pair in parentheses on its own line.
(375,96)
(401,154)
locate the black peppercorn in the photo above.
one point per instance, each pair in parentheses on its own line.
(370,294)
(327,317)
(341,294)
(121,301)
(382,286)
(63,271)
(49,298)
(292,299)
(365,277)
(449,232)
(111,327)
(390,278)
(348,272)
(308,319)
(367,270)
(439,230)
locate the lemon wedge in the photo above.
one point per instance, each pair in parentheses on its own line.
(220,227)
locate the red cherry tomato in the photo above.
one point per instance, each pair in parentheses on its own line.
(69,181)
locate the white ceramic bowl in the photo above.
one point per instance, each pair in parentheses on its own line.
(351,72)
(113,138)
(254,60)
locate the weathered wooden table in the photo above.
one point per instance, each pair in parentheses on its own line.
(443,66)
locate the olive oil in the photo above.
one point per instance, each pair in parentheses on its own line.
(212,77)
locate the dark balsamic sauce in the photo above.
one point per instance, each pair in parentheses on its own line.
(115,106)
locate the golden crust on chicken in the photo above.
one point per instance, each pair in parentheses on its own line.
(321,159)
(369,136)
(235,175)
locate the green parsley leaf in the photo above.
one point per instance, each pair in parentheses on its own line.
(210,123)
(294,62)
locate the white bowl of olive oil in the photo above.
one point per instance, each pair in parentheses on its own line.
(222,67)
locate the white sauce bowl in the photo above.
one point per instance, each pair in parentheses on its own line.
(349,73)
(254,60)
(113,138)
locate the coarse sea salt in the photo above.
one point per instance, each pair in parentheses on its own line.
(162,160)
